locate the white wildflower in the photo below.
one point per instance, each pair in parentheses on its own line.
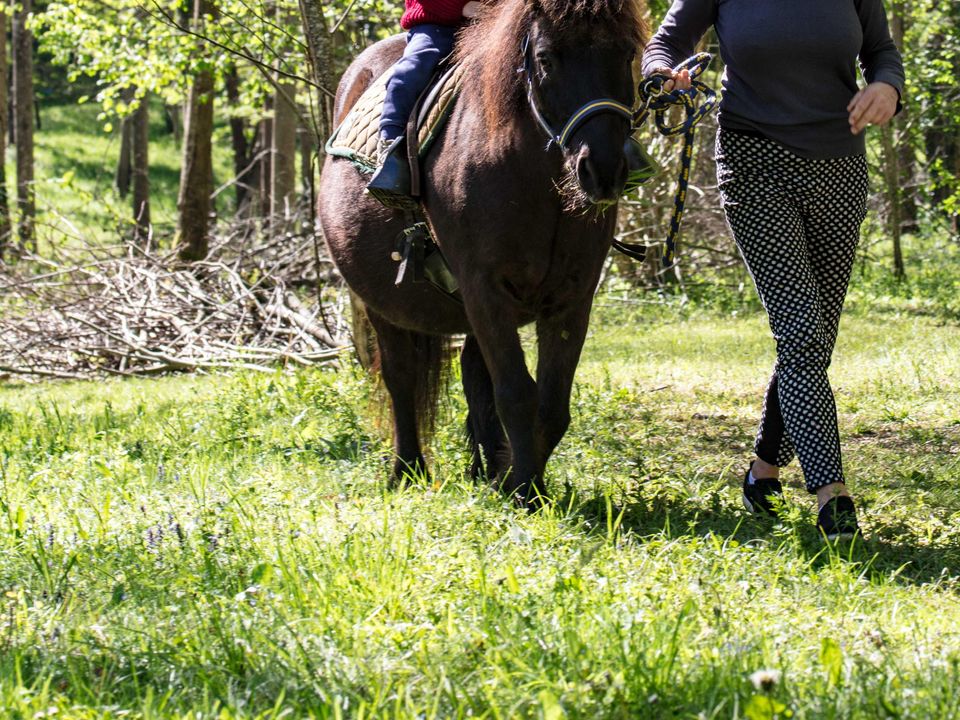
(765,680)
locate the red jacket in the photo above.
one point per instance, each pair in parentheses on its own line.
(434,12)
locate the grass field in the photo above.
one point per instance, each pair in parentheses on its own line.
(225,546)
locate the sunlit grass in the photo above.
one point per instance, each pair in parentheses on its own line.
(228,545)
(76,160)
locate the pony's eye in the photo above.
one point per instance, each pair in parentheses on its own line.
(545,61)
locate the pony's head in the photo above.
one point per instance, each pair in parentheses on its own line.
(556,58)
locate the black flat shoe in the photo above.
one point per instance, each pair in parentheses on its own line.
(390,184)
(761,496)
(838,519)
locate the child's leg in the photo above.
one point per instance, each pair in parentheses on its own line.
(427,45)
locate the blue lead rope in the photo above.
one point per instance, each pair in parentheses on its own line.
(697,103)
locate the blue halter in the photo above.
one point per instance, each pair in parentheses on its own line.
(578,118)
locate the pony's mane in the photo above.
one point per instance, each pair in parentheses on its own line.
(490,48)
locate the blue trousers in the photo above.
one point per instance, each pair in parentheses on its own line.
(427,45)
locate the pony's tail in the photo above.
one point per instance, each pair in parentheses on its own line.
(427,367)
(433,364)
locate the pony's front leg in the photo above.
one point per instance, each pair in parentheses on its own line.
(488,443)
(559,342)
(515,395)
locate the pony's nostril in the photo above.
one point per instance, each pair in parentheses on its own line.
(587,173)
(601,185)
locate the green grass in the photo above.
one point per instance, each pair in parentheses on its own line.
(225,546)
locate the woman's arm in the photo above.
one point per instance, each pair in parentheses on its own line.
(882,68)
(880,60)
(678,35)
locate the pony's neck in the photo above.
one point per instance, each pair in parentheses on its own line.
(509,136)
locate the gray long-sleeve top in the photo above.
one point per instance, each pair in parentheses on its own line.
(790,64)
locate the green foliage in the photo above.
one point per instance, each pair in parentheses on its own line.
(122,45)
(932,61)
(146,46)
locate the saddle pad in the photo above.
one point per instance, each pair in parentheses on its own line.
(356,137)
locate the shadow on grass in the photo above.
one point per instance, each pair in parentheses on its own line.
(670,517)
(877,556)
(897,561)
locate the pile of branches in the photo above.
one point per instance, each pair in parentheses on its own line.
(125,310)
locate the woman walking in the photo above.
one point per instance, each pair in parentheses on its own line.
(793,182)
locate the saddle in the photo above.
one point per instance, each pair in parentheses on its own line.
(356,137)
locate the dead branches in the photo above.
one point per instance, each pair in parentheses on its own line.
(99,312)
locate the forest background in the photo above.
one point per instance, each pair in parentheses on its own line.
(220,541)
(180,132)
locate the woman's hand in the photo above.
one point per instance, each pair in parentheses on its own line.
(873,105)
(471,9)
(679,80)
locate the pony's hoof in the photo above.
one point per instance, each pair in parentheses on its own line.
(409,473)
(532,503)
(526,496)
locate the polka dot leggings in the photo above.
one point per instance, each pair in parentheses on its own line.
(797,224)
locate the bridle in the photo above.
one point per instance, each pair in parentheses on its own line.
(697,103)
(578,118)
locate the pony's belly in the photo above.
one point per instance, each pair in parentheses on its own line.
(361,236)
(421,308)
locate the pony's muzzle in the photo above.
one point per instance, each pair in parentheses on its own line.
(601,179)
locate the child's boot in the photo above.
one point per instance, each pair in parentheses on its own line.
(390,184)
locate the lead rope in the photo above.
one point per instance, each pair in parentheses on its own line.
(697,102)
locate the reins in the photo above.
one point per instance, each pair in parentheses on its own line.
(697,103)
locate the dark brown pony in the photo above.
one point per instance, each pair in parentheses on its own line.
(525,226)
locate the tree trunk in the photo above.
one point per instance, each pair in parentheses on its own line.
(122,179)
(308,148)
(907,159)
(23,102)
(251,207)
(238,139)
(141,169)
(906,156)
(173,120)
(283,180)
(196,175)
(892,178)
(5,229)
(265,164)
(320,54)
(320,47)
